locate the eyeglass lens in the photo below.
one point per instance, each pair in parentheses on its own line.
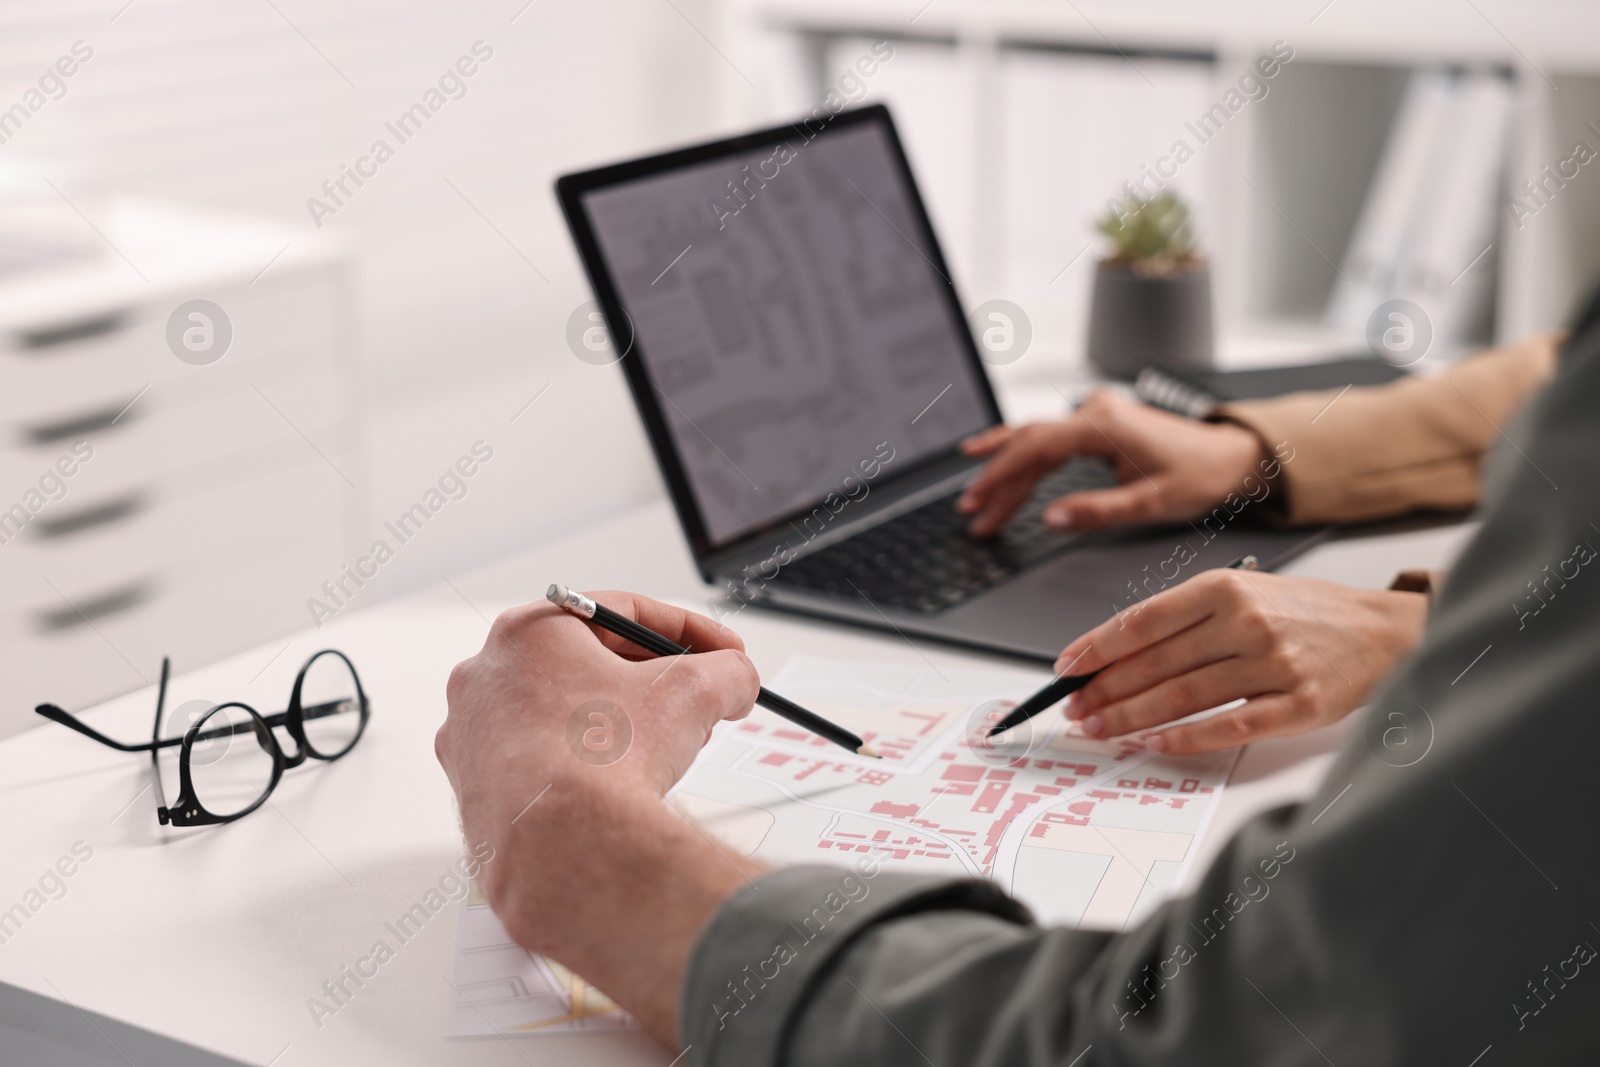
(330,705)
(230,762)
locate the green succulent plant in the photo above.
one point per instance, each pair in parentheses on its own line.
(1152,237)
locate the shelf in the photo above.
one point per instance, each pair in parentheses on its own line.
(1277,192)
(1417,32)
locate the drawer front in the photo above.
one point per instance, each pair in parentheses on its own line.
(53,370)
(186,445)
(81,666)
(145,543)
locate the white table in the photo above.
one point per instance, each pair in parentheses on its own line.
(218,936)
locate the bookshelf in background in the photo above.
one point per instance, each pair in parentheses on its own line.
(1282,192)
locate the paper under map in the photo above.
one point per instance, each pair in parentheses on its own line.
(1087,833)
(502,988)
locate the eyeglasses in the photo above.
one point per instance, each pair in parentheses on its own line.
(219,779)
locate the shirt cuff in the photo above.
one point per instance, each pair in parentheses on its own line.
(756,962)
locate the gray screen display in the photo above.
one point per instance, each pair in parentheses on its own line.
(790,319)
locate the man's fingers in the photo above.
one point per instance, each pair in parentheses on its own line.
(1168,612)
(1195,691)
(1093,509)
(689,628)
(712,685)
(1273,715)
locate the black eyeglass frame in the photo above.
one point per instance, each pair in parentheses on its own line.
(187,810)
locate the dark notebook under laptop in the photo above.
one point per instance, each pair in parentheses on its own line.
(1197,393)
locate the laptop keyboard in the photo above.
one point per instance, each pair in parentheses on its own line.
(924,560)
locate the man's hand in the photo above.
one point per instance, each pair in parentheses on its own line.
(1170,468)
(589,867)
(1301,652)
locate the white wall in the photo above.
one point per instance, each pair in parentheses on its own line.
(462,294)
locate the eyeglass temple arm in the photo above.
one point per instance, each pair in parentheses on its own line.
(65,718)
(57,714)
(155,740)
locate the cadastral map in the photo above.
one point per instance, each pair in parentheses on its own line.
(1087,833)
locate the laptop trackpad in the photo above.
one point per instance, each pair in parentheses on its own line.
(1041,610)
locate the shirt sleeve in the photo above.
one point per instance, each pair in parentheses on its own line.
(1380,451)
(773,942)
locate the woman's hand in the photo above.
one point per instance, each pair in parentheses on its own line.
(1170,468)
(1300,652)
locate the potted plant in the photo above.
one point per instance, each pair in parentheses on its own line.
(1152,295)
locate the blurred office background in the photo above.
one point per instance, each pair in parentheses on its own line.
(430,311)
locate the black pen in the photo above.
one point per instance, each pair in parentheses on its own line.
(1064,686)
(574,602)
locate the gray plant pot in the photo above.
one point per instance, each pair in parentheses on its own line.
(1135,322)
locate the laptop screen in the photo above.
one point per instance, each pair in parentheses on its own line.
(794,320)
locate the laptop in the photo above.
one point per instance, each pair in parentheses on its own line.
(805,373)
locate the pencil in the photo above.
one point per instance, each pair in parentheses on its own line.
(574,602)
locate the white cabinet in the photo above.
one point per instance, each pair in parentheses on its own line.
(151,506)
